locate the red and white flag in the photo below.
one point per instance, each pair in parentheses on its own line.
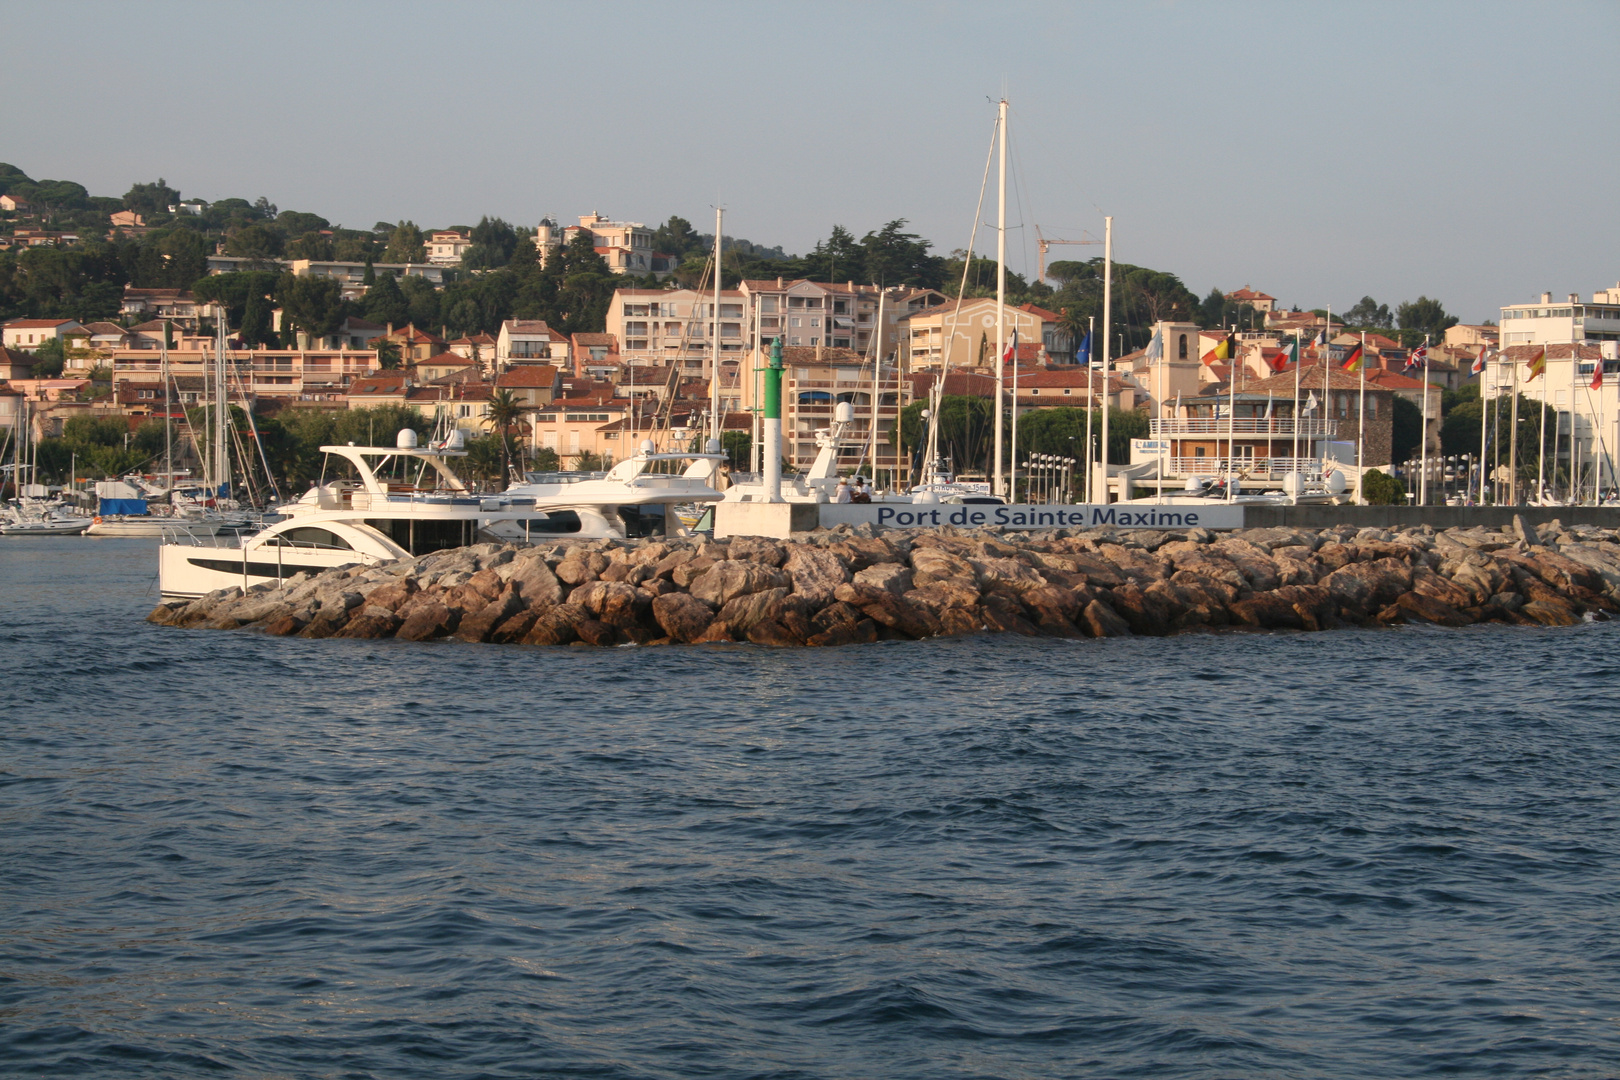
(1012,348)
(1597,374)
(1479,362)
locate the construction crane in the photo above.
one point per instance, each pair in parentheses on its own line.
(1043,243)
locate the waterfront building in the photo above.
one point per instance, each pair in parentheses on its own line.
(943,335)
(1549,322)
(30,334)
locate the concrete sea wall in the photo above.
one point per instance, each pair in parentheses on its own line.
(851,585)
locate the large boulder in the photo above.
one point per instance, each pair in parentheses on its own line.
(681,616)
(890,577)
(1100,620)
(1429,609)
(616,603)
(816,573)
(580,566)
(724,582)
(533,580)
(757,549)
(840,623)
(428,620)
(1369,586)
(556,625)
(479,625)
(931,564)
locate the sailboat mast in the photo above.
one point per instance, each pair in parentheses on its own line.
(877,386)
(222,462)
(714,347)
(1001,289)
(1108,323)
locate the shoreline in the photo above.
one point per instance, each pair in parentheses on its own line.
(848,585)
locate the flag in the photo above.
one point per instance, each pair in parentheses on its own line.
(1223,350)
(1352,362)
(1310,403)
(1012,348)
(1479,362)
(1416,358)
(1321,339)
(1210,357)
(1538,364)
(1289,355)
(1082,355)
(1597,374)
(1155,349)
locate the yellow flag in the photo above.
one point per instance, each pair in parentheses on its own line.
(1538,364)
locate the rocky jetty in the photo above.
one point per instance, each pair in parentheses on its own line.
(845,586)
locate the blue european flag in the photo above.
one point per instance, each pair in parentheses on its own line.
(1082,355)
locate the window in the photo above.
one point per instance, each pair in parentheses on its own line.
(767,303)
(794,322)
(586,418)
(1181,348)
(462,411)
(815,322)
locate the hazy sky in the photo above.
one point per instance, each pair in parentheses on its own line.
(1316,151)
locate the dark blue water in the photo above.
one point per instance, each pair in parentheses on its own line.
(1358,854)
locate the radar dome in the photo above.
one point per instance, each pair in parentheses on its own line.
(406,440)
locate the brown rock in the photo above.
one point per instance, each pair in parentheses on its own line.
(860,552)
(428,620)
(895,612)
(683,574)
(1147,612)
(772,632)
(614,602)
(1428,583)
(719,631)
(165,614)
(1270,610)
(1431,610)
(286,626)
(890,577)
(1100,620)
(683,617)
(815,573)
(1005,615)
(578,567)
(1253,562)
(370,626)
(1369,585)
(394,595)
(957,622)
(745,612)
(478,625)
(1010,574)
(931,564)
(841,624)
(757,549)
(666,566)
(942,596)
(596,632)
(1552,611)
(1134,563)
(556,625)
(515,627)
(487,583)
(534,581)
(724,582)
(327,622)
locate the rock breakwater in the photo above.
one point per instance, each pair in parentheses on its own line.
(846,586)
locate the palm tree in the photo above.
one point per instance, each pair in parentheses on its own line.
(501,410)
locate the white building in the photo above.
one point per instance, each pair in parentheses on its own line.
(1547,322)
(446,246)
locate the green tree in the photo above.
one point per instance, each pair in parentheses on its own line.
(1406,429)
(254,242)
(838,258)
(677,237)
(738,447)
(422,301)
(590,462)
(405,245)
(1423,317)
(311,305)
(49,358)
(255,325)
(151,200)
(1369,314)
(891,256)
(501,412)
(311,245)
(388,354)
(493,242)
(545,460)
(385,304)
(1381,489)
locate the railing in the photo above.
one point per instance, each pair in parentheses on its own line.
(1272,468)
(1242,426)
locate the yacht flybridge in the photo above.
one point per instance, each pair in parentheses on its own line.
(377,504)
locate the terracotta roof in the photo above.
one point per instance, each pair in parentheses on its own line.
(1247,293)
(597,339)
(1310,378)
(153,325)
(1390,380)
(528,375)
(1049,316)
(447,358)
(36,324)
(525,326)
(810,354)
(1523,353)
(105,328)
(355,322)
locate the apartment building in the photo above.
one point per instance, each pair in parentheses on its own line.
(30,334)
(966,337)
(529,341)
(446,246)
(625,245)
(659,328)
(266,373)
(1548,322)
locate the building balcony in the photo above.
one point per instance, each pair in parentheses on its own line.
(1248,426)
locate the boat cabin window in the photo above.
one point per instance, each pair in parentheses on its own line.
(310,536)
(421,537)
(554,523)
(815,397)
(642,520)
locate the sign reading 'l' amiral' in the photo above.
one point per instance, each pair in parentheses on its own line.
(1214,515)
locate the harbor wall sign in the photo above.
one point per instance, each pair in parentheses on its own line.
(1216,515)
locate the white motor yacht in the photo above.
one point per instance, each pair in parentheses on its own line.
(637,497)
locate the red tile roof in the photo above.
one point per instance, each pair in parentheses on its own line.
(36,324)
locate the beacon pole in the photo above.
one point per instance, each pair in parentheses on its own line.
(773,424)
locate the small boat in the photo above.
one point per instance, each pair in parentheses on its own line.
(54,525)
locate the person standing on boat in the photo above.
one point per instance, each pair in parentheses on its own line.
(841,493)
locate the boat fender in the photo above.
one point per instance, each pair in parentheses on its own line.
(97,521)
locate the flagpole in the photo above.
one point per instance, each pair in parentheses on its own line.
(1231,424)
(1513,442)
(1574,427)
(1012,469)
(1091,397)
(1298,359)
(1361,426)
(1423,489)
(1327,409)
(1484,366)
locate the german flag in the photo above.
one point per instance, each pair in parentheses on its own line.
(1538,364)
(1353,361)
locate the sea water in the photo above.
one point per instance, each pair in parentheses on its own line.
(1350,854)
